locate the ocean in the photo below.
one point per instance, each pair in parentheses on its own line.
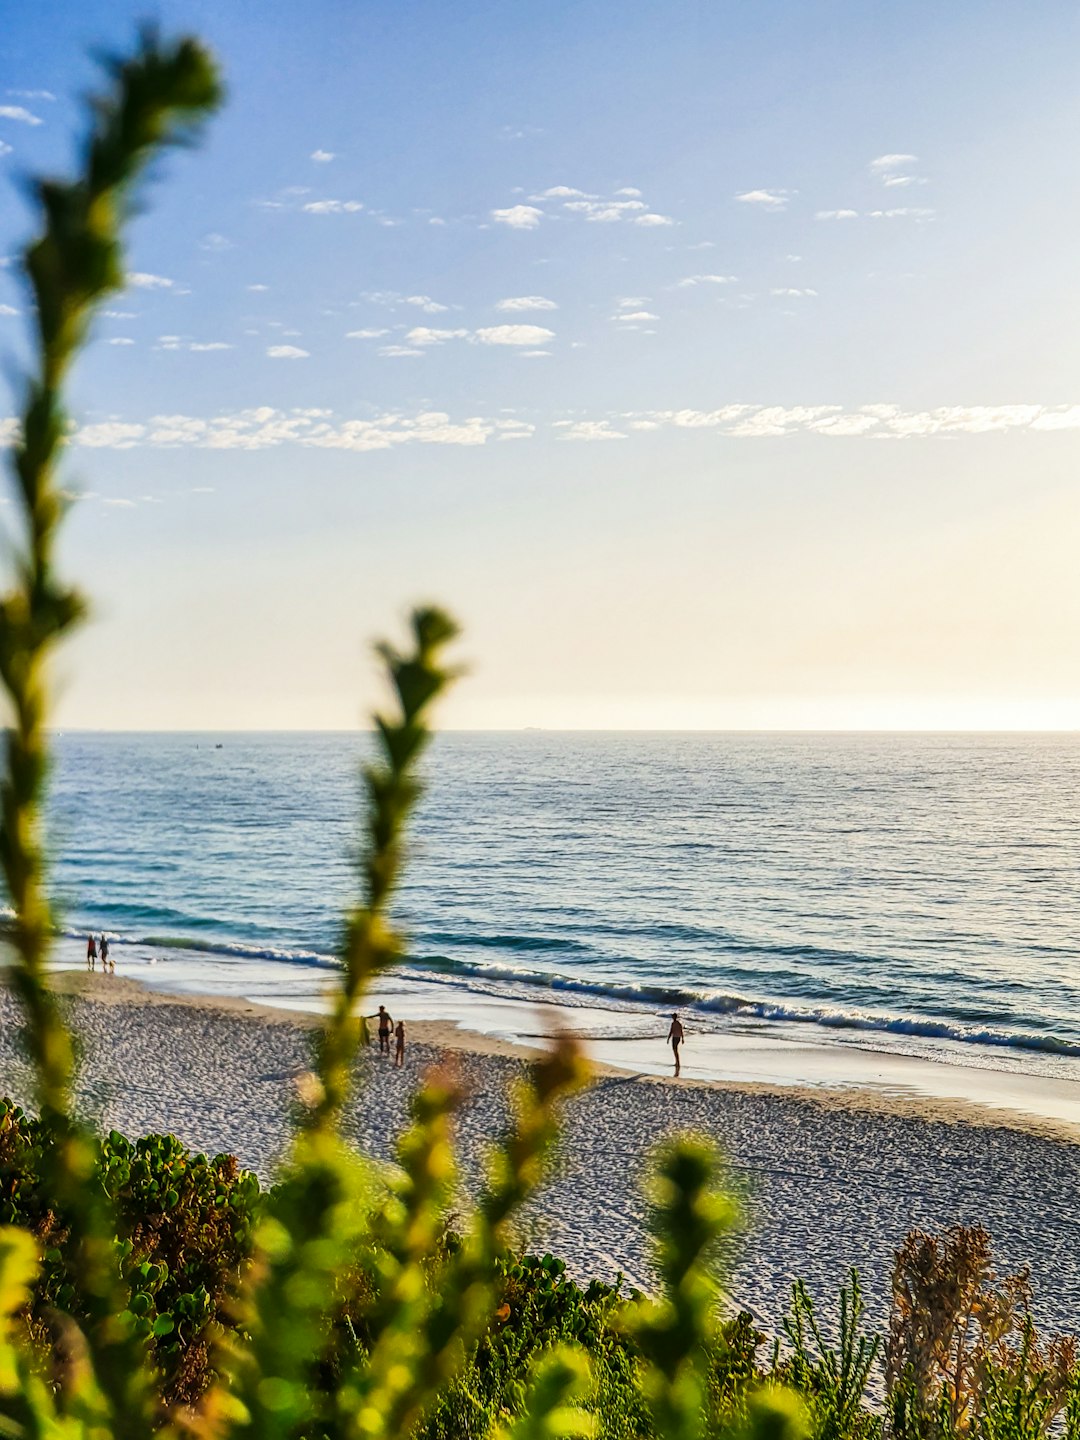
(915,892)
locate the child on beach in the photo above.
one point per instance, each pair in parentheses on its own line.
(399,1051)
(91,953)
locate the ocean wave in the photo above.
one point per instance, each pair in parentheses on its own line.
(559,988)
(446,970)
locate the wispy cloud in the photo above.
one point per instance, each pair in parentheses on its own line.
(896,170)
(518,217)
(692,280)
(425,335)
(587,430)
(8,310)
(287,352)
(119,340)
(392,299)
(215,243)
(634,316)
(400,352)
(513,335)
(322,157)
(257,289)
(184,342)
(32,95)
(365,334)
(20,114)
(515,303)
(788,292)
(837,215)
(5,148)
(143,280)
(265,427)
(765,199)
(332,207)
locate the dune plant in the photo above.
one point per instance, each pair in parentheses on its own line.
(430,1302)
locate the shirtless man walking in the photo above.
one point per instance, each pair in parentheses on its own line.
(386,1025)
(675,1035)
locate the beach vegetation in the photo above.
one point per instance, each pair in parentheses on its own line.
(145,1290)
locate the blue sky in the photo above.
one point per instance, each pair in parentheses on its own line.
(716,363)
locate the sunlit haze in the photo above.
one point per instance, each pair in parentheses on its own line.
(715,364)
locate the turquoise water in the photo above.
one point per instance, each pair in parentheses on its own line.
(919,889)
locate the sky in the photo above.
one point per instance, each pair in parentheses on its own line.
(715,364)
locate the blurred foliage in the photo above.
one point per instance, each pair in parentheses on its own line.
(148,1291)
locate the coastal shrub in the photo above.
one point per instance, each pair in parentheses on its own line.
(183,1229)
(963,1356)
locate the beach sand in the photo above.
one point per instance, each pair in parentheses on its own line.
(830,1179)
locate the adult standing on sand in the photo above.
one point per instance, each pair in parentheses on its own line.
(91,953)
(104,947)
(386,1024)
(675,1035)
(399,1049)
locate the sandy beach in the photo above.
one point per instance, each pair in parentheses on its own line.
(831,1179)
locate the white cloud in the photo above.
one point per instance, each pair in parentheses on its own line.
(8,310)
(629,190)
(19,113)
(110,435)
(119,314)
(518,217)
(5,148)
(653,219)
(397,352)
(767,199)
(215,243)
(635,315)
(912,212)
(184,342)
(632,302)
(564,192)
(424,335)
(526,302)
(392,299)
(322,157)
(332,207)
(604,212)
(32,94)
(258,289)
(529,355)
(119,340)
(287,352)
(793,294)
(885,163)
(209,345)
(514,335)
(365,334)
(142,280)
(588,430)
(837,215)
(705,280)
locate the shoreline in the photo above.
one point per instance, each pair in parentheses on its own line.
(828,1180)
(888,1096)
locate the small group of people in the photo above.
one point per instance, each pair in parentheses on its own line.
(96,948)
(388,1028)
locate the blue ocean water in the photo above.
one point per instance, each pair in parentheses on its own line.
(922,886)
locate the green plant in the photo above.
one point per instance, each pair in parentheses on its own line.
(834,1379)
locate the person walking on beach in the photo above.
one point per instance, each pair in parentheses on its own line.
(399,1049)
(104,948)
(675,1035)
(91,953)
(386,1024)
